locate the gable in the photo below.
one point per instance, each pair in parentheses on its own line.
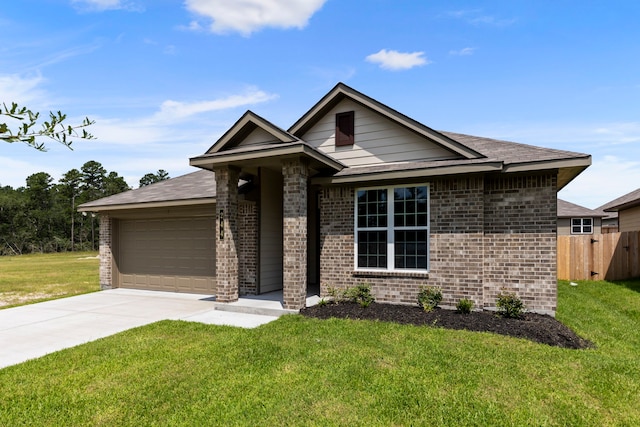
(377,139)
(258,136)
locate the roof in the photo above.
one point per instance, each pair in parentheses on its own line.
(194,188)
(474,155)
(571,210)
(629,200)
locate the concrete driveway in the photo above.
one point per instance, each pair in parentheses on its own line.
(34,330)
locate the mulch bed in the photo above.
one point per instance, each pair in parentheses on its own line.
(535,327)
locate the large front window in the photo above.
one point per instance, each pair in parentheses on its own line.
(392,228)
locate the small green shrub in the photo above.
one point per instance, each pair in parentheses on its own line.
(360,294)
(429,297)
(322,302)
(464,306)
(509,305)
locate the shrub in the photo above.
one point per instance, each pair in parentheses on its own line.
(429,297)
(464,306)
(360,294)
(509,305)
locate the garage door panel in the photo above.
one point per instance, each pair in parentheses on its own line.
(173,254)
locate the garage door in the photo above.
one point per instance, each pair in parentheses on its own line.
(172,254)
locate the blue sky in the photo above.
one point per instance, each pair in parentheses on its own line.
(164,79)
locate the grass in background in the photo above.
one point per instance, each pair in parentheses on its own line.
(300,371)
(26,279)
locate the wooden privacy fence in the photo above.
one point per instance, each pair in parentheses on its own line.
(611,256)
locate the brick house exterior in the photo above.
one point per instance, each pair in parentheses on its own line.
(353,192)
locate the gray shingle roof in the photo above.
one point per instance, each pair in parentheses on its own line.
(629,200)
(193,186)
(569,210)
(512,152)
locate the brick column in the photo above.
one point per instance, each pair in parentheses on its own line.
(106,255)
(227,242)
(295,174)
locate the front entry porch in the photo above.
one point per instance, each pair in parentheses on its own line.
(267,304)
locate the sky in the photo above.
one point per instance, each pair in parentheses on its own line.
(164,79)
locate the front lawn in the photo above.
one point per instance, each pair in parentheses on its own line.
(302,371)
(26,279)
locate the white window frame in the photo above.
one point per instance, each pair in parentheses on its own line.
(390,229)
(582,225)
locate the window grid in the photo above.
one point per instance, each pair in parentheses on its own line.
(394,235)
(581,225)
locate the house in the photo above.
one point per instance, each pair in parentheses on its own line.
(628,209)
(575,219)
(352,192)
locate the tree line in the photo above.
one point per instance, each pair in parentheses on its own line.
(42,216)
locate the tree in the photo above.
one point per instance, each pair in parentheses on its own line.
(152,178)
(25,120)
(114,184)
(69,189)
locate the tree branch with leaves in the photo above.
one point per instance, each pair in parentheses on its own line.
(55,128)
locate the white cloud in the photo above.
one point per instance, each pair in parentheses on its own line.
(394,60)
(23,90)
(478,17)
(608,178)
(463,52)
(247,16)
(175,110)
(102,5)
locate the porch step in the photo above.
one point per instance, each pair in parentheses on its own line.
(253,309)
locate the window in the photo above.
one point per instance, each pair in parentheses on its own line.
(581,225)
(345,128)
(392,228)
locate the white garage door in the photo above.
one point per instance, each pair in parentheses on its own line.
(169,254)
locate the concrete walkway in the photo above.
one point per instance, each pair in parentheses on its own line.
(32,331)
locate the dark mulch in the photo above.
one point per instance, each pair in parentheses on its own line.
(535,327)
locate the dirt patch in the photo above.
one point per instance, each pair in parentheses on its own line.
(16,298)
(535,327)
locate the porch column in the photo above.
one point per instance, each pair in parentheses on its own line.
(227,242)
(295,172)
(106,255)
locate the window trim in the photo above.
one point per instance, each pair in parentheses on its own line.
(390,229)
(582,225)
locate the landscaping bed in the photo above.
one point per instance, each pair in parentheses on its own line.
(535,327)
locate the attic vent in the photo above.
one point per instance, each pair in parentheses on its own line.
(344,128)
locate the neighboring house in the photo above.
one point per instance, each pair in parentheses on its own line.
(353,192)
(628,209)
(576,219)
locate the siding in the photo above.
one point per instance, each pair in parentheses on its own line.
(564,226)
(629,219)
(270,231)
(377,139)
(257,137)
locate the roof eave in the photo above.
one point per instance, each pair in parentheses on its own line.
(209,161)
(409,173)
(572,167)
(146,205)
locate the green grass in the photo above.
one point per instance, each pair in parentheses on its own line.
(299,371)
(26,279)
